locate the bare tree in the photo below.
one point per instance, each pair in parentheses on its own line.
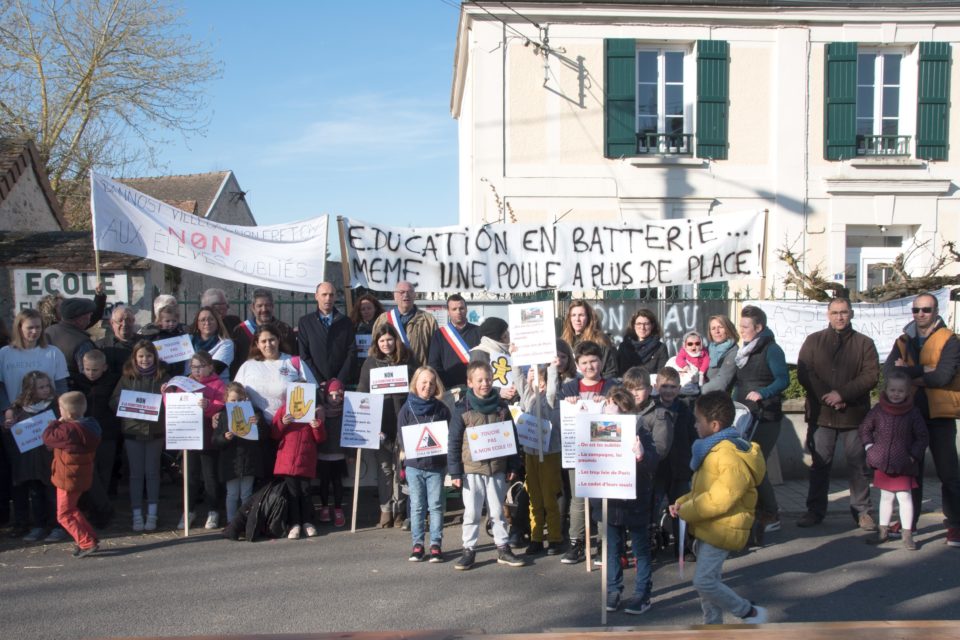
(98,83)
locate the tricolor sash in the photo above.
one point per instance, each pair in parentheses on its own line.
(393,317)
(456,342)
(249,327)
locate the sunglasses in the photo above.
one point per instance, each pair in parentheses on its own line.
(694,344)
(917,310)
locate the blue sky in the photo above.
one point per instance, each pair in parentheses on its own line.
(330,107)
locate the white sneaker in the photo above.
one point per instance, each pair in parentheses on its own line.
(213,520)
(151,523)
(192,516)
(310,530)
(138,522)
(294,532)
(759,618)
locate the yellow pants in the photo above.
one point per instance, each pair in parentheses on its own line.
(543,486)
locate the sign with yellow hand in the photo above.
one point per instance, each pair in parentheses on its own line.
(239,414)
(301,397)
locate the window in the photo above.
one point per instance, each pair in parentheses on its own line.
(879,104)
(663,113)
(867,249)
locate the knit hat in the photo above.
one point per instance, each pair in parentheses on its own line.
(493,328)
(334,386)
(75,307)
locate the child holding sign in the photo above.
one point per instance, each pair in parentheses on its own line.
(74,441)
(425,475)
(331,459)
(720,508)
(240,461)
(484,480)
(142,437)
(297,461)
(30,470)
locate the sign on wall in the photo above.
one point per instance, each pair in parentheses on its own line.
(30,285)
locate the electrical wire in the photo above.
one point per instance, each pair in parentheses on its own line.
(506,6)
(505,23)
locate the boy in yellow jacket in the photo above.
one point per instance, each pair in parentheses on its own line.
(719,510)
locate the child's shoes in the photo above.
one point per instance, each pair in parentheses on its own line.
(138,522)
(151,523)
(339,519)
(294,532)
(324,515)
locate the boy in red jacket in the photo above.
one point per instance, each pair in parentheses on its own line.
(74,441)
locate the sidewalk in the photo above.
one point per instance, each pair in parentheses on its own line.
(792,497)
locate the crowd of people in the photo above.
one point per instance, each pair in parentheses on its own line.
(692,459)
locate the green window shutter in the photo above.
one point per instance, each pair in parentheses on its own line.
(933,101)
(713,290)
(713,93)
(619,104)
(840,108)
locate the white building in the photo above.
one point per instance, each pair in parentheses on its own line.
(840,118)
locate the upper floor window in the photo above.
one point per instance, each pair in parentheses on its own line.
(663,111)
(879,109)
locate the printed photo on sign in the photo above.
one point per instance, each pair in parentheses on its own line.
(491,441)
(300,401)
(569,411)
(527,431)
(389,379)
(184,421)
(533,333)
(176,349)
(606,466)
(28,433)
(139,405)
(362,413)
(240,415)
(424,440)
(503,374)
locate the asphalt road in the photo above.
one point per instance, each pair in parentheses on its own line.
(163,584)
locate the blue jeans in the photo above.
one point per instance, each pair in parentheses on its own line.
(715,597)
(426,493)
(616,539)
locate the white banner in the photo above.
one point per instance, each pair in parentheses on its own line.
(792,322)
(286,256)
(507,258)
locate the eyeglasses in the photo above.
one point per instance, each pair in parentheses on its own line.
(917,310)
(694,344)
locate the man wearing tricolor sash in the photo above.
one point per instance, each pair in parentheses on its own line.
(261,312)
(416,327)
(451,344)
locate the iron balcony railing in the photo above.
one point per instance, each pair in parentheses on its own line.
(883,145)
(665,144)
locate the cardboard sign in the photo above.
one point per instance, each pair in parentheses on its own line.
(184,421)
(362,415)
(300,401)
(189,385)
(533,332)
(606,464)
(488,441)
(28,433)
(362,342)
(239,414)
(568,427)
(425,440)
(139,405)
(389,379)
(527,432)
(175,349)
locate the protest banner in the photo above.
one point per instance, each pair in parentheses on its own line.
(514,258)
(568,426)
(300,400)
(28,433)
(389,379)
(527,433)
(493,440)
(533,332)
(360,429)
(175,349)
(139,405)
(185,384)
(503,371)
(425,440)
(606,465)
(240,414)
(792,322)
(286,256)
(184,430)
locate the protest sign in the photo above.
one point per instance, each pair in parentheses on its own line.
(184,421)
(527,431)
(425,440)
(175,349)
(362,414)
(503,372)
(568,426)
(533,333)
(363,342)
(389,379)
(300,400)
(512,258)
(185,384)
(285,256)
(139,405)
(792,322)
(240,414)
(28,433)
(493,440)
(606,465)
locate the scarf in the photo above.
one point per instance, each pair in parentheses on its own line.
(146,373)
(743,355)
(421,407)
(645,348)
(199,344)
(487,405)
(895,409)
(37,407)
(703,446)
(717,350)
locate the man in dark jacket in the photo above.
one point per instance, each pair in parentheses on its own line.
(261,313)
(451,344)
(69,335)
(325,338)
(117,344)
(838,367)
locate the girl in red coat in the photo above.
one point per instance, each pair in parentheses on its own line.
(895,437)
(297,462)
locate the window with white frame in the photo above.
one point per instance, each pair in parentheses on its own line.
(664,101)
(884,112)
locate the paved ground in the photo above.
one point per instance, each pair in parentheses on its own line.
(163,584)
